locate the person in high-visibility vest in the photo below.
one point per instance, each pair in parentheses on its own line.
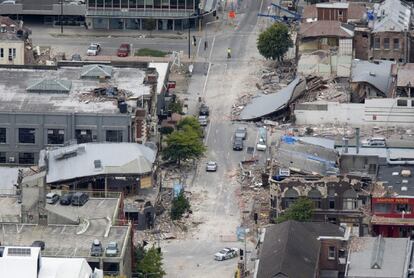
(228,53)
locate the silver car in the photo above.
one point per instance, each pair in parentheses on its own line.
(211,166)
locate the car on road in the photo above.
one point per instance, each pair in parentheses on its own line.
(226,253)
(66,199)
(96,248)
(241,132)
(124,50)
(93,49)
(237,144)
(204,110)
(76,57)
(203,120)
(52,198)
(112,249)
(211,166)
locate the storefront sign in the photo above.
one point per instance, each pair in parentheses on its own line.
(392,200)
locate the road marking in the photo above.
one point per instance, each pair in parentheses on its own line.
(198,48)
(212,47)
(208,132)
(225,69)
(205,81)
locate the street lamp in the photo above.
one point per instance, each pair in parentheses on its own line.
(61,16)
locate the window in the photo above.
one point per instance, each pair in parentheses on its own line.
(403,207)
(386,43)
(3,135)
(114,135)
(12,52)
(83,135)
(340,13)
(382,208)
(350,203)
(27,135)
(377,43)
(412,103)
(26,158)
(396,43)
(1,52)
(55,136)
(401,102)
(331,203)
(2,157)
(331,253)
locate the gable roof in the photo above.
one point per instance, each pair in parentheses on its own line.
(96,71)
(52,85)
(325,28)
(391,15)
(291,249)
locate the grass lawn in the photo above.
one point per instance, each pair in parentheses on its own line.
(150,52)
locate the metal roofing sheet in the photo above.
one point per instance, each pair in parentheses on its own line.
(377,73)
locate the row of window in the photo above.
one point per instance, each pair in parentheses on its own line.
(404,102)
(11,52)
(23,158)
(57,136)
(347,204)
(390,208)
(139,4)
(386,43)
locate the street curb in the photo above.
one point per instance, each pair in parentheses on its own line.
(137,36)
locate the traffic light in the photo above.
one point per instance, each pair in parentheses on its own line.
(194,41)
(255,217)
(241,252)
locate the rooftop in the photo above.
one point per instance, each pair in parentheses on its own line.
(65,240)
(405,75)
(291,248)
(92,159)
(391,16)
(378,74)
(325,28)
(391,176)
(378,257)
(15,97)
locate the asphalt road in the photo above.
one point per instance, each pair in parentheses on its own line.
(217,207)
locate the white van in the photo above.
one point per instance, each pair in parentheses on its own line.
(262,142)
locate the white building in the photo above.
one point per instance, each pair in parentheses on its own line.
(27,262)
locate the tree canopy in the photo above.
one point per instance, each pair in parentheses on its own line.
(274,42)
(151,264)
(185,143)
(301,210)
(179,205)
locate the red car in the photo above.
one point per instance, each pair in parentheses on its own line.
(124,50)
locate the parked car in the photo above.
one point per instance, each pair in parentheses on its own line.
(238,144)
(93,49)
(66,199)
(96,248)
(8,2)
(241,132)
(374,142)
(124,50)
(112,249)
(261,145)
(211,166)
(204,110)
(76,57)
(79,199)
(226,253)
(39,243)
(52,198)
(203,120)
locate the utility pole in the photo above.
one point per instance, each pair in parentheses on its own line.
(61,16)
(189,35)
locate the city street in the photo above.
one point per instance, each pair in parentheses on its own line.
(215,195)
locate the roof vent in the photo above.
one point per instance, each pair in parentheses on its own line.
(372,73)
(406,173)
(404,188)
(98,164)
(395,173)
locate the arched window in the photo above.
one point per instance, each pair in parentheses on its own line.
(291,195)
(316,196)
(350,198)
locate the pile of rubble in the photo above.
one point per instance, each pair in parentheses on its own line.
(105,93)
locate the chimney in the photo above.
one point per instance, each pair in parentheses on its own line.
(357,140)
(13,28)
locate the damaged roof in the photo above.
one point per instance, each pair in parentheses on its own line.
(355,11)
(325,28)
(264,105)
(92,159)
(291,248)
(377,73)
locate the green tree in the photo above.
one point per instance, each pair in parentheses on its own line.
(301,210)
(183,144)
(274,42)
(179,205)
(191,123)
(150,24)
(176,107)
(151,264)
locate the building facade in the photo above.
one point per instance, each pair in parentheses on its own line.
(138,14)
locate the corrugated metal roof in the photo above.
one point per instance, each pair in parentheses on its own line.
(263,105)
(50,85)
(377,73)
(96,71)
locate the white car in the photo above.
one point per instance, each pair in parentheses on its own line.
(211,166)
(93,49)
(226,253)
(203,120)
